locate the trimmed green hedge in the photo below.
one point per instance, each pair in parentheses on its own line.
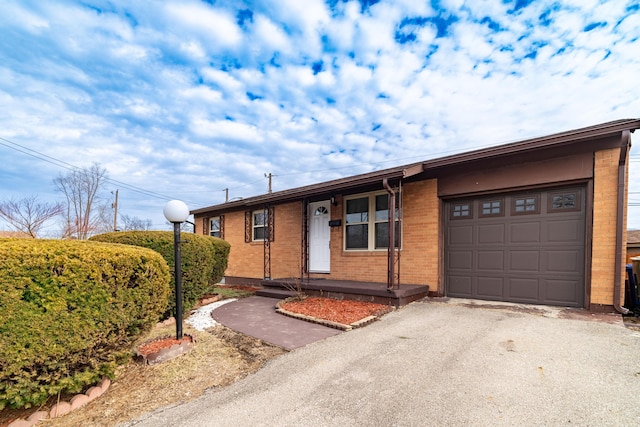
(204,260)
(70,311)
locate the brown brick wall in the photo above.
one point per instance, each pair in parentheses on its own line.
(247,259)
(420,251)
(605,199)
(286,250)
(419,258)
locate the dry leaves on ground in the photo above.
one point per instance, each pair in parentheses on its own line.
(219,358)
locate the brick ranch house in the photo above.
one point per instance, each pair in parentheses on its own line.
(540,221)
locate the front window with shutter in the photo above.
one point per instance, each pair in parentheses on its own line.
(258,225)
(214,227)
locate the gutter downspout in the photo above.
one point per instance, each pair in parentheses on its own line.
(391,247)
(617,280)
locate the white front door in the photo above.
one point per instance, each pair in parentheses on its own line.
(319,237)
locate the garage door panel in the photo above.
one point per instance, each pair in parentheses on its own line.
(491,234)
(460,286)
(565,292)
(462,260)
(490,287)
(490,260)
(523,289)
(564,261)
(460,235)
(524,261)
(564,231)
(531,256)
(525,232)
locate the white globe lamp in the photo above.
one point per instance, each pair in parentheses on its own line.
(176,211)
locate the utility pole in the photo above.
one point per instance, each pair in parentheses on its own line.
(226,195)
(115,213)
(269,176)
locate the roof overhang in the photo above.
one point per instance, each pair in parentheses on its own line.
(358,181)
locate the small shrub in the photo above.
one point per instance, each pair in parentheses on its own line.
(70,311)
(204,260)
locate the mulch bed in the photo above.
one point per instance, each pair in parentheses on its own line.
(153,346)
(340,311)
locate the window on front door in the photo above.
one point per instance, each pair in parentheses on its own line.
(366,222)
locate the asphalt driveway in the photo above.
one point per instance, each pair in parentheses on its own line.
(434,363)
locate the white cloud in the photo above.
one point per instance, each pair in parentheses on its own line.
(193,19)
(179,99)
(375,35)
(16,15)
(270,35)
(303,20)
(226,81)
(227,130)
(203,94)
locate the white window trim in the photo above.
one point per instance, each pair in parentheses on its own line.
(371,222)
(219,226)
(254,226)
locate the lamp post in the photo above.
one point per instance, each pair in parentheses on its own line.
(177,212)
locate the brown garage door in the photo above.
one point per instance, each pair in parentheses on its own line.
(517,247)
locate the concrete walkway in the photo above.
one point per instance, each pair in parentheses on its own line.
(441,364)
(256,317)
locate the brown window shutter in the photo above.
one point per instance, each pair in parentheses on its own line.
(222,226)
(205,226)
(247,227)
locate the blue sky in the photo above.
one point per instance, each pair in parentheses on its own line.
(182,99)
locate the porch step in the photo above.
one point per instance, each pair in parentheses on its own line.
(345,289)
(277,293)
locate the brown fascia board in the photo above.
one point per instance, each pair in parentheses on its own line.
(347,183)
(558,139)
(335,186)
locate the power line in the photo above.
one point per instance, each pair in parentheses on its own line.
(60,163)
(38,155)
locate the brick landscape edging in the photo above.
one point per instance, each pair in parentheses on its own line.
(360,323)
(79,400)
(63,408)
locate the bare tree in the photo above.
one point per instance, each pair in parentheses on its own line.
(187,226)
(135,223)
(84,214)
(28,214)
